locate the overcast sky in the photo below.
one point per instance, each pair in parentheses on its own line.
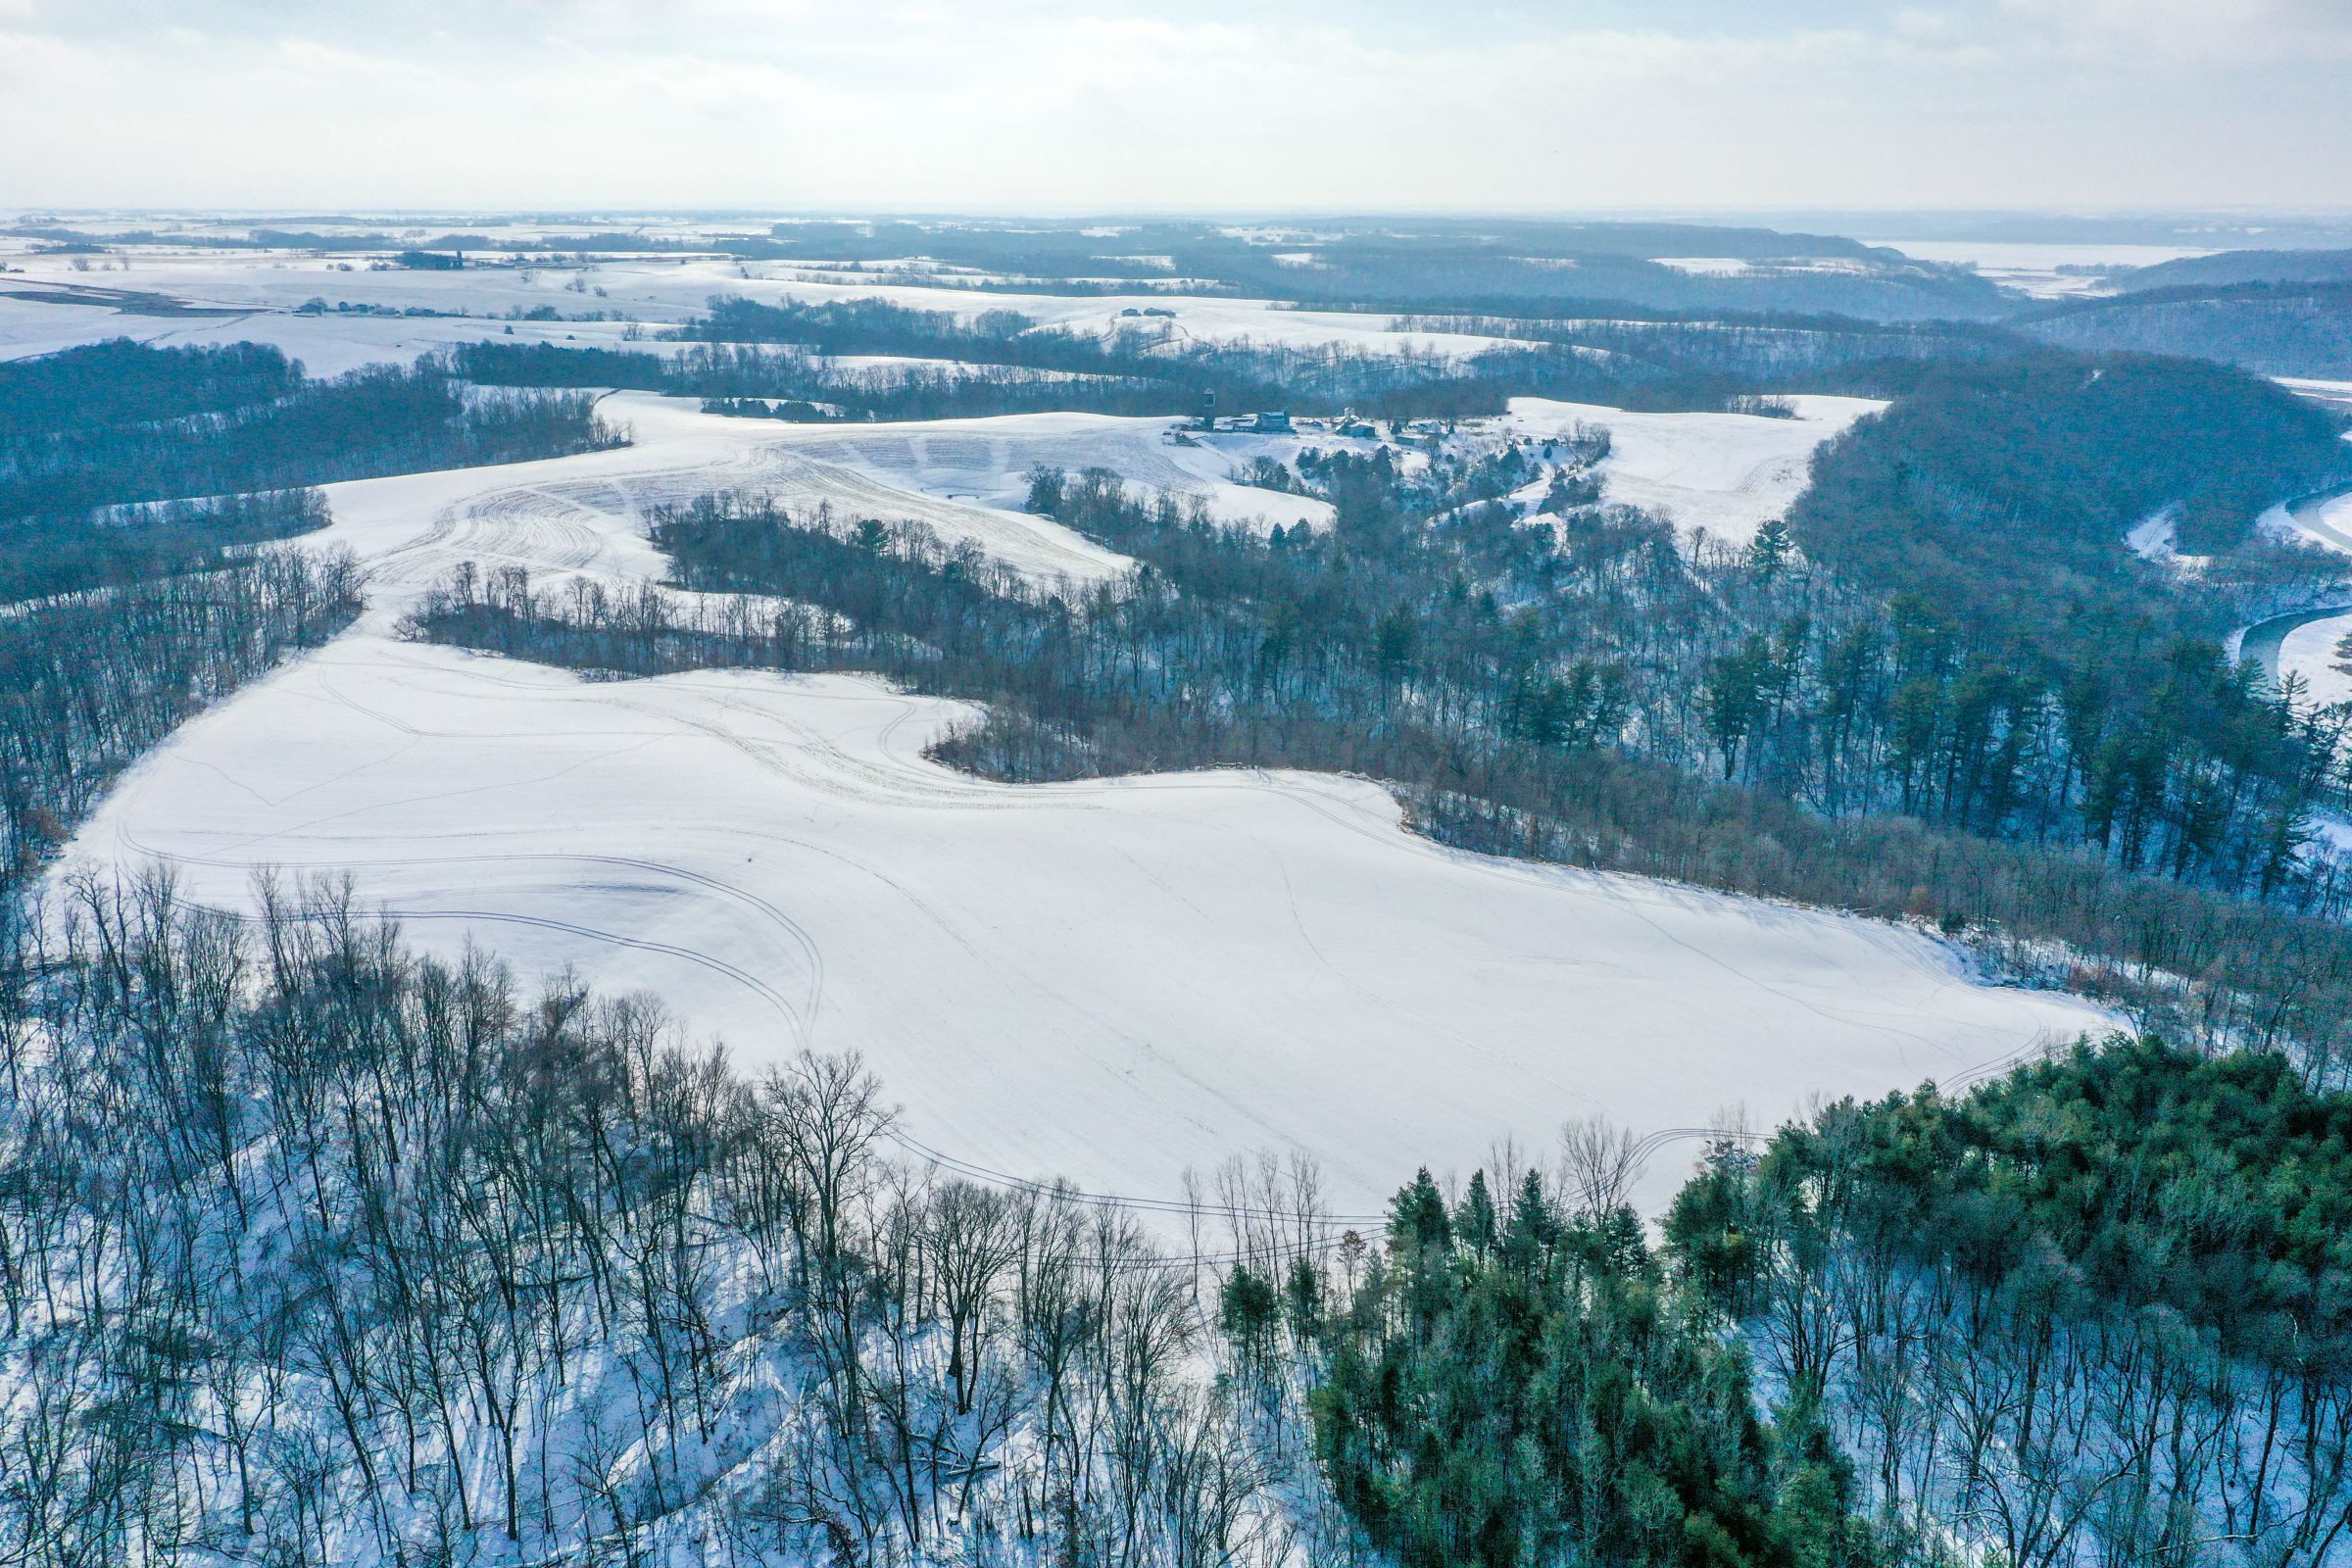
(1078,105)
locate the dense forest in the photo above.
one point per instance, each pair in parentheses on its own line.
(1150,364)
(41,558)
(2239,267)
(88,681)
(2095,1308)
(521,1276)
(1154,352)
(2271,328)
(1520,1379)
(1000,361)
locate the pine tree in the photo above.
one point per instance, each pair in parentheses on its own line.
(1475,1220)
(1533,1230)
(1769,551)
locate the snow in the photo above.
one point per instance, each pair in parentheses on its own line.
(2155,539)
(966,479)
(2309,651)
(1111,981)
(2336,395)
(907,366)
(2301,641)
(1723,472)
(1114,980)
(986,463)
(1705,266)
(2152,537)
(326,344)
(662,290)
(583,516)
(2324,520)
(29,327)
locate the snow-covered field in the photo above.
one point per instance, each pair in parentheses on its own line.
(1111,981)
(584,516)
(1723,472)
(1707,265)
(987,462)
(649,289)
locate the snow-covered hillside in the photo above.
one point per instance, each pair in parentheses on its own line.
(1112,981)
(968,479)
(585,515)
(1723,472)
(986,463)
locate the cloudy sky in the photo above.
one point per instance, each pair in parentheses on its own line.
(1071,105)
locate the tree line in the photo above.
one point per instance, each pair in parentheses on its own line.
(142,492)
(2271,329)
(120,422)
(90,680)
